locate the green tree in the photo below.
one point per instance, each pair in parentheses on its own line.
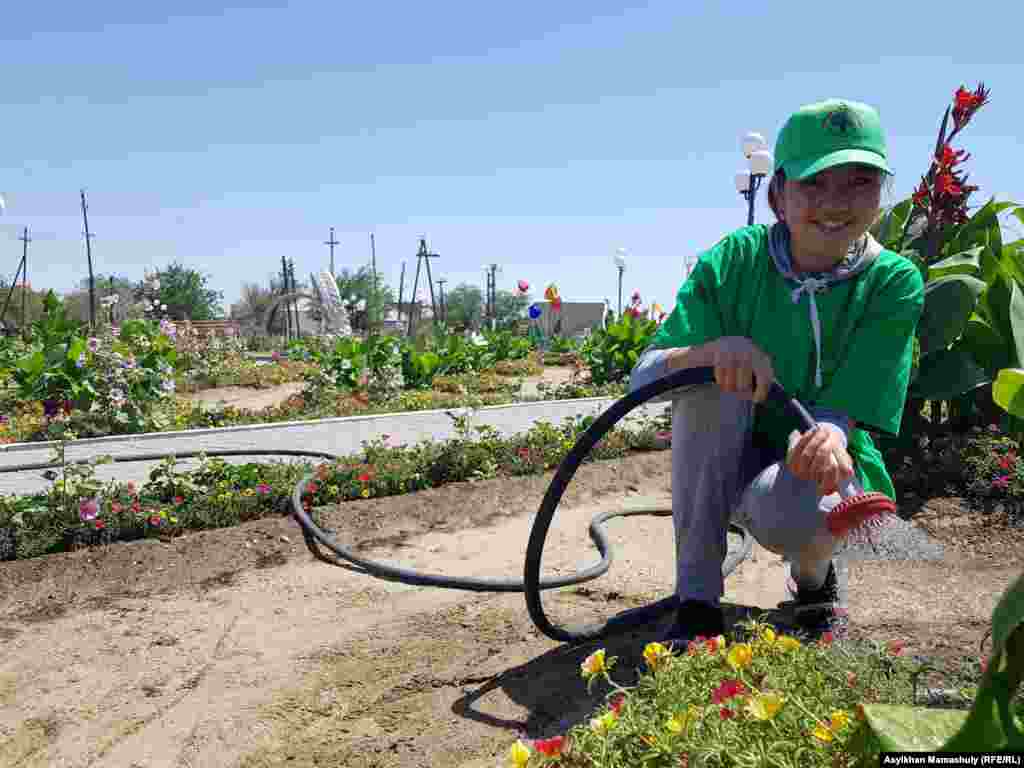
(464,304)
(358,286)
(510,307)
(184,290)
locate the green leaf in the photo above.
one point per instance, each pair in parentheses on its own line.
(947,374)
(912,729)
(1008,391)
(888,227)
(988,348)
(75,349)
(948,303)
(965,263)
(1003,306)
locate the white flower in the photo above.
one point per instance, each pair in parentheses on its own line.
(478,340)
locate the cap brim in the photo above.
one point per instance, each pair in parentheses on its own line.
(797,169)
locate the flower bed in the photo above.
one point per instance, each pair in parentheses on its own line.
(81,510)
(757,698)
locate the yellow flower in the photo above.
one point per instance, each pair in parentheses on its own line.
(174,520)
(604,723)
(740,655)
(839,719)
(788,643)
(680,722)
(519,754)
(768,635)
(365,493)
(593,664)
(821,733)
(765,706)
(655,654)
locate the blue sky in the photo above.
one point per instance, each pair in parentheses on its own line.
(539,136)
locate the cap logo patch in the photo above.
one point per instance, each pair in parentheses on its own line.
(840,121)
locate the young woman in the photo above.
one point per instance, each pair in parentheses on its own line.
(815,303)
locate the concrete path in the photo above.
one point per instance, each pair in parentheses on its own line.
(339,436)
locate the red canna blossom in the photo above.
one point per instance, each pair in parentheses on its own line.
(967,103)
(922,196)
(950,158)
(726,714)
(364,478)
(945,184)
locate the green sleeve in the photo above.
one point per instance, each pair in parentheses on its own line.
(697,316)
(870,385)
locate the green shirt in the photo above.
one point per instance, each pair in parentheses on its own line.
(868,324)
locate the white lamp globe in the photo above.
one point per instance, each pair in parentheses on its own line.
(752,143)
(620,258)
(743,181)
(761,162)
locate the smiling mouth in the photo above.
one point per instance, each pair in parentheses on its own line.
(832,227)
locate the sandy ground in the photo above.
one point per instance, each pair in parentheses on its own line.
(236,647)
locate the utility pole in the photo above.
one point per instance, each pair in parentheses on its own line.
(24,278)
(401,288)
(492,294)
(372,304)
(284,292)
(444,307)
(10,291)
(294,303)
(88,253)
(423,256)
(332,242)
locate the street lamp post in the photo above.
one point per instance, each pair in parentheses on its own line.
(620,262)
(760,162)
(491,271)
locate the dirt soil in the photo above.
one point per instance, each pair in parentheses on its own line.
(251,398)
(237,647)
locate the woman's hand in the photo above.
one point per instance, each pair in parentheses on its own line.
(820,455)
(741,367)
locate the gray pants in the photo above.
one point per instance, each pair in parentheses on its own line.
(719,474)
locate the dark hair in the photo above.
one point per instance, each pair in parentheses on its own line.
(779,179)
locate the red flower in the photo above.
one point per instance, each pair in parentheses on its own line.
(922,195)
(725,713)
(826,638)
(312,488)
(945,184)
(179,500)
(115,507)
(524,453)
(550,747)
(100,525)
(966,103)
(136,507)
(364,478)
(950,158)
(727,690)
(616,705)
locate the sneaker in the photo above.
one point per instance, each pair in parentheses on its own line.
(694,618)
(816,611)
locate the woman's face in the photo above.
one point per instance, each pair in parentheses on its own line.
(830,210)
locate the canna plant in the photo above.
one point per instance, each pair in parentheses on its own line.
(973,320)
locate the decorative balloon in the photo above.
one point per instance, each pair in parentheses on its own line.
(551,292)
(523,286)
(535,311)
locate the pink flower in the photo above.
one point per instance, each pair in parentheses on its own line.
(895,647)
(116,508)
(1001,482)
(88,509)
(262,489)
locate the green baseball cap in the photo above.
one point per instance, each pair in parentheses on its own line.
(832,132)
